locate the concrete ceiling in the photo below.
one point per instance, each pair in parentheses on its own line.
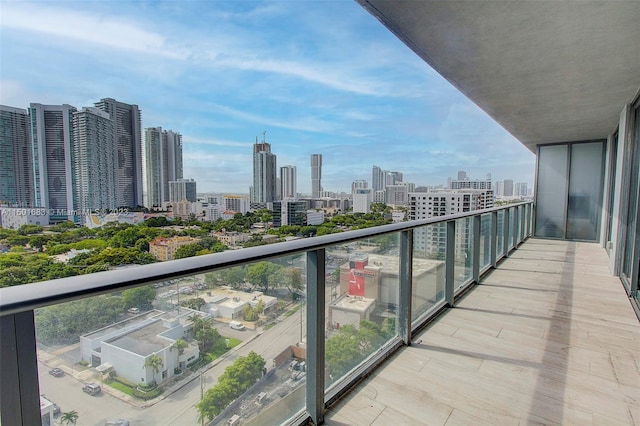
(547,71)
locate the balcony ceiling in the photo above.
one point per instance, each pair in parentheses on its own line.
(547,71)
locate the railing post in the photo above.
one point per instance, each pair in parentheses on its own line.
(315,334)
(450,263)
(523,222)
(19,387)
(494,239)
(505,232)
(516,227)
(406,278)
(477,220)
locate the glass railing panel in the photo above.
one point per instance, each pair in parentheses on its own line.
(361,303)
(500,235)
(485,240)
(202,348)
(427,285)
(463,268)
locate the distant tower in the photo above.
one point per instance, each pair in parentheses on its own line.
(288,183)
(377,179)
(94,164)
(128,150)
(16,162)
(316,175)
(264,172)
(52,138)
(163,158)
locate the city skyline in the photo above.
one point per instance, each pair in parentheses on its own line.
(354,94)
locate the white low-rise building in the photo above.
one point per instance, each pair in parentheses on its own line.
(125,347)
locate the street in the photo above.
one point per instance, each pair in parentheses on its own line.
(177,408)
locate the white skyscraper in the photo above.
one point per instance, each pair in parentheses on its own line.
(316,175)
(288,183)
(163,160)
(264,173)
(52,137)
(129,178)
(377,179)
(94,160)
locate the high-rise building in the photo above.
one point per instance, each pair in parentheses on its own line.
(94,160)
(377,178)
(264,173)
(16,165)
(163,159)
(316,175)
(431,240)
(358,184)
(153,166)
(467,183)
(51,139)
(288,182)
(183,189)
(508,188)
(128,127)
(362,198)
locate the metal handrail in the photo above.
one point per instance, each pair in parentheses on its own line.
(27,297)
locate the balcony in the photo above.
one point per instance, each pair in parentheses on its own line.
(549,337)
(475,321)
(402,287)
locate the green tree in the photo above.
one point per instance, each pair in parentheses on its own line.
(155,362)
(29,229)
(139,297)
(351,345)
(181,345)
(187,250)
(196,303)
(291,278)
(235,380)
(70,417)
(261,274)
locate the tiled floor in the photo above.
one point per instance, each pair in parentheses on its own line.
(550,337)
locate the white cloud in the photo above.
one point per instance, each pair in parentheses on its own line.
(109,31)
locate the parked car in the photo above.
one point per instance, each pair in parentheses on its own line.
(236,325)
(117,422)
(56,372)
(92,388)
(56,409)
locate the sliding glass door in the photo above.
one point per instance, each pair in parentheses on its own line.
(569,191)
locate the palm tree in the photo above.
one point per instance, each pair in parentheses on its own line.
(70,417)
(155,362)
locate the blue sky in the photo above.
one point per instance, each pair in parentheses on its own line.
(319,77)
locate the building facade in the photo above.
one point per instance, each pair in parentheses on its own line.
(94,160)
(264,174)
(53,158)
(16,162)
(128,126)
(163,161)
(288,184)
(183,189)
(165,248)
(316,175)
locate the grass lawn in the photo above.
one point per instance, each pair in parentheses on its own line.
(121,387)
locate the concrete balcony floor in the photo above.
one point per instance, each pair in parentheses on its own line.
(549,337)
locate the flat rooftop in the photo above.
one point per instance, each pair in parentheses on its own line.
(144,341)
